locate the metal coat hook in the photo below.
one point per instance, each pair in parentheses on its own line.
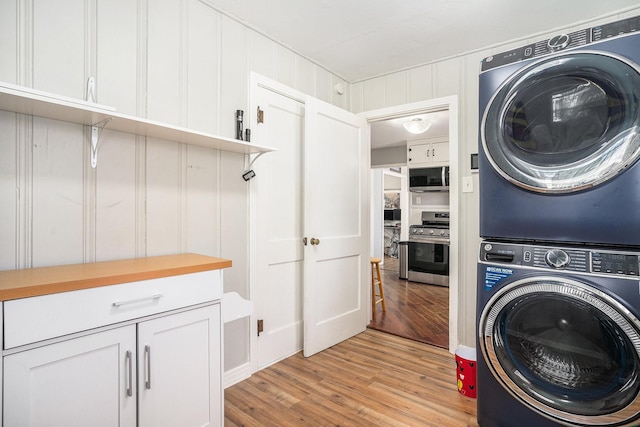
(91,90)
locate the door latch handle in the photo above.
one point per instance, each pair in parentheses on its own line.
(315,241)
(304,241)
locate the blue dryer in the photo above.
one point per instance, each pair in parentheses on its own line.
(558,336)
(560,139)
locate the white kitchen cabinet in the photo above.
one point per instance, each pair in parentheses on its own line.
(91,380)
(176,387)
(427,153)
(119,343)
(75,383)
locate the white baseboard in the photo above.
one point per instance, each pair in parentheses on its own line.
(235,375)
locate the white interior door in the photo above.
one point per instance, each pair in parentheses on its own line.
(277,292)
(336,259)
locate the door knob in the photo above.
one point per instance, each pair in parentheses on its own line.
(315,241)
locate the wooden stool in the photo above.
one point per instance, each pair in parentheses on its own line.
(378,296)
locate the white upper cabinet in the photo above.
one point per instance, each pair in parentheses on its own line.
(428,152)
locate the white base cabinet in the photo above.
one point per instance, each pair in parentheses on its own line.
(144,353)
(76,383)
(91,380)
(176,386)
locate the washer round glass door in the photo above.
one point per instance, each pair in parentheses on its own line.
(565,349)
(565,123)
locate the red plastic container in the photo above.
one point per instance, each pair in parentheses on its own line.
(466,370)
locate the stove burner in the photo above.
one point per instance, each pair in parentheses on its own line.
(435,226)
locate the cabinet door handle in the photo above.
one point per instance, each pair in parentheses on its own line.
(147,367)
(154,297)
(129,368)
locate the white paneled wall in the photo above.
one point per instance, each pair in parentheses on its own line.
(118,206)
(57,192)
(175,61)
(454,76)
(119,58)
(10,226)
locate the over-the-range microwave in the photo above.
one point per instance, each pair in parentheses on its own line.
(429,179)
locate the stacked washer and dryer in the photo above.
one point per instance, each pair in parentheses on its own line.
(558,285)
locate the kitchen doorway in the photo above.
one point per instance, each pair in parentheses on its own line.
(422,312)
(416,311)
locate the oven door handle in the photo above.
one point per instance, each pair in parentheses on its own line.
(434,240)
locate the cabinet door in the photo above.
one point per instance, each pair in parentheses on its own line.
(179,367)
(428,154)
(440,153)
(418,154)
(87,381)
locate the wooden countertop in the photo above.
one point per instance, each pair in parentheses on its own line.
(31,282)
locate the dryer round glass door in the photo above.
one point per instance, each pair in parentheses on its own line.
(565,123)
(565,349)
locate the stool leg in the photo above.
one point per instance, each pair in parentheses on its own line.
(384,305)
(373,294)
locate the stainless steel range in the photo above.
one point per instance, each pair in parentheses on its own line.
(428,249)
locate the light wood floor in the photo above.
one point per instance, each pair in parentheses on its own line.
(414,310)
(372,379)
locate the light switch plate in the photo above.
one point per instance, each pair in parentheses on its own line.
(467,184)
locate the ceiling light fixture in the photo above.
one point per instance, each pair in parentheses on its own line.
(416,126)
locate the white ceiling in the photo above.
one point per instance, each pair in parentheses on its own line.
(359,39)
(390,133)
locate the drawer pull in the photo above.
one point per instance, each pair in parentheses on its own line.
(137,300)
(147,370)
(129,368)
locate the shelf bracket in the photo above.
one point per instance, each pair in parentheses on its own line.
(255,158)
(248,172)
(96,130)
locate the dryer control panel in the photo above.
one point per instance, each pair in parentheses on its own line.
(562,41)
(576,259)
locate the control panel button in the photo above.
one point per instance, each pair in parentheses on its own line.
(557,258)
(558,42)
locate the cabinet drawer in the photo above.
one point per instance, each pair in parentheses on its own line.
(29,320)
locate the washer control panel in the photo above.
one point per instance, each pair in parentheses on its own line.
(614,263)
(577,259)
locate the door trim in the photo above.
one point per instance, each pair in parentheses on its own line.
(445,103)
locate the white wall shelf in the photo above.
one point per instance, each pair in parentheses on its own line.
(29,101)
